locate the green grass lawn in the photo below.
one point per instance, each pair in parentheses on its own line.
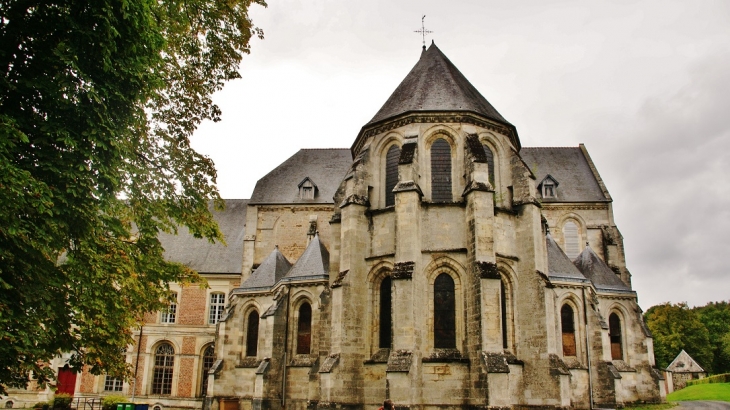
(711,391)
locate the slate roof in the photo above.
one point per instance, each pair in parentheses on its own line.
(271,270)
(595,269)
(570,168)
(560,266)
(205,257)
(325,167)
(313,264)
(435,84)
(684,363)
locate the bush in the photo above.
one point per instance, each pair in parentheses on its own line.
(718,378)
(110,402)
(61,401)
(40,405)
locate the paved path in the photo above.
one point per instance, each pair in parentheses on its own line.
(703,405)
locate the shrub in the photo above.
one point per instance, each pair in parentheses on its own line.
(61,401)
(718,378)
(110,402)
(40,405)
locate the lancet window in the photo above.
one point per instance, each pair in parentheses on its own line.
(304,329)
(252,333)
(567,324)
(385,330)
(441,171)
(614,333)
(444,315)
(391,174)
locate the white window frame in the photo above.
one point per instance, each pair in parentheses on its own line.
(217,303)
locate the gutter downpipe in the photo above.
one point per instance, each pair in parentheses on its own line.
(136,364)
(286,347)
(588,354)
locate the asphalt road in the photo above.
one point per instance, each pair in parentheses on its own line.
(703,405)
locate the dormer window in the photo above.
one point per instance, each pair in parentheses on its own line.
(549,187)
(307,189)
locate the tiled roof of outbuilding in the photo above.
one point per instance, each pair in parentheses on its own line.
(325,168)
(271,270)
(595,269)
(313,264)
(570,168)
(205,257)
(560,267)
(435,84)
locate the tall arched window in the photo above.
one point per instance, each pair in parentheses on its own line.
(503,307)
(490,164)
(252,333)
(391,174)
(304,329)
(208,359)
(441,171)
(567,325)
(572,239)
(162,372)
(614,333)
(385,330)
(444,312)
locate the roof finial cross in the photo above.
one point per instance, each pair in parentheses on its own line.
(423,31)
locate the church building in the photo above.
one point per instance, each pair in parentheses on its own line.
(436,263)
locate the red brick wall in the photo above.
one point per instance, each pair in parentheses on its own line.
(150,317)
(87,381)
(185,386)
(192,307)
(141,364)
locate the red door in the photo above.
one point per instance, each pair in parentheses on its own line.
(66,381)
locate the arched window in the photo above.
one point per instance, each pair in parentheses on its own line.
(162,372)
(503,307)
(386,319)
(252,334)
(441,171)
(571,239)
(567,325)
(444,312)
(217,303)
(490,164)
(304,329)
(391,174)
(614,333)
(208,359)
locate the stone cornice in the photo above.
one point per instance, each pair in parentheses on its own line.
(433,117)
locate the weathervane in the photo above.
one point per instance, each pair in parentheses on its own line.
(423,31)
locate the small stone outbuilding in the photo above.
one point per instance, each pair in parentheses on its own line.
(684,368)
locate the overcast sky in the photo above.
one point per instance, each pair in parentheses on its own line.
(644,84)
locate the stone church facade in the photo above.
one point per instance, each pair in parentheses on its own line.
(445,267)
(437,263)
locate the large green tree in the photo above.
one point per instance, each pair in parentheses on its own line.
(98,100)
(716,318)
(677,327)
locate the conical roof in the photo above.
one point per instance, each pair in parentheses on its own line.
(274,267)
(314,263)
(560,266)
(595,269)
(435,84)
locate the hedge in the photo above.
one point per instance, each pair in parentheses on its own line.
(718,378)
